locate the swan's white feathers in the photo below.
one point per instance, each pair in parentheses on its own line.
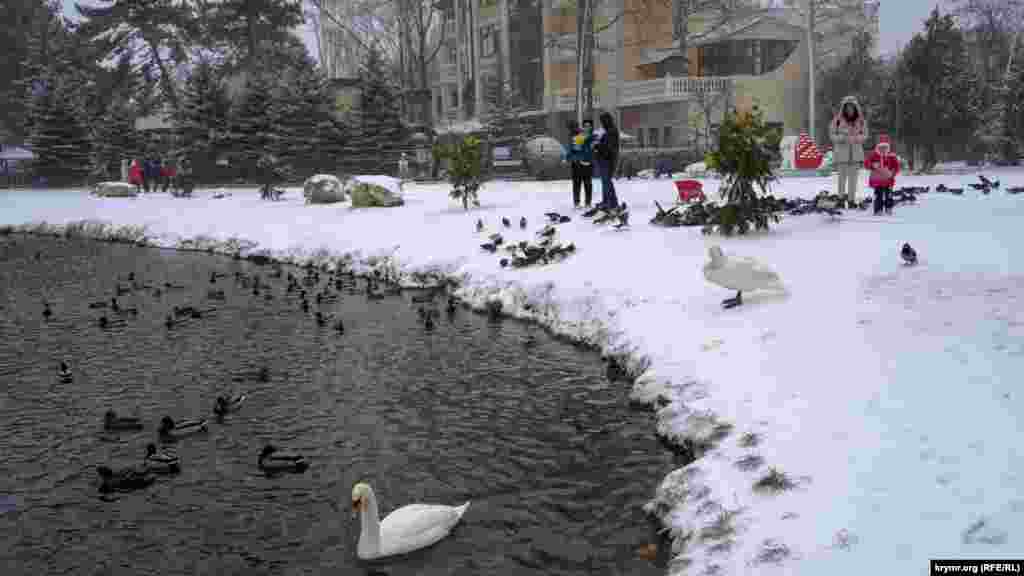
(418,525)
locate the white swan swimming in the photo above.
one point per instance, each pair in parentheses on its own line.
(408,528)
(739,274)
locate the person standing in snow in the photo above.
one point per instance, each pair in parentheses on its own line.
(135,174)
(884,166)
(848,131)
(607,153)
(582,156)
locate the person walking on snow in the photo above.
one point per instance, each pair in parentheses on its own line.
(848,131)
(884,166)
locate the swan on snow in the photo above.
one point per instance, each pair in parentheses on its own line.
(739,274)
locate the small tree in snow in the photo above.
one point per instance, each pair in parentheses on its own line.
(744,157)
(465,169)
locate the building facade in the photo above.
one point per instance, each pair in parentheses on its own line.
(529,48)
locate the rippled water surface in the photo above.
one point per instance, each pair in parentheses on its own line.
(556,464)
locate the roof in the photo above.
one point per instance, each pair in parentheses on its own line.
(767,25)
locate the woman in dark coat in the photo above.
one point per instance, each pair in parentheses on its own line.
(607,152)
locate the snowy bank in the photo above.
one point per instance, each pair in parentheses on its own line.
(825,446)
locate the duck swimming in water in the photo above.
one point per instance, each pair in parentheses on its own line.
(271,460)
(111,421)
(170,429)
(161,461)
(225,405)
(123,480)
(64,373)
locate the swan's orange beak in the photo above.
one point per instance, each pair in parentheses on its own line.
(355,507)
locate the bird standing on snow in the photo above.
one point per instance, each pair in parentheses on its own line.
(909,255)
(739,274)
(479,225)
(505,222)
(522,222)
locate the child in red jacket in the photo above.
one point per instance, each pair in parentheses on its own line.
(884,166)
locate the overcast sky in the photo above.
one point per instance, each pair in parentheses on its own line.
(898,21)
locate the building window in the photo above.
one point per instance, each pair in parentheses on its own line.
(488,41)
(653,137)
(666,137)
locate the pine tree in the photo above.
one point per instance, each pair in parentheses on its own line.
(303,129)
(379,116)
(203,120)
(253,129)
(55,119)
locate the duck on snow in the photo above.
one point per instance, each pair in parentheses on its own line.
(739,274)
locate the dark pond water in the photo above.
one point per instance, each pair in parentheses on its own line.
(556,464)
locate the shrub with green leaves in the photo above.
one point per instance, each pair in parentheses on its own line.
(465,169)
(744,157)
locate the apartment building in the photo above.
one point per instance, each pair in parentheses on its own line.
(662,99)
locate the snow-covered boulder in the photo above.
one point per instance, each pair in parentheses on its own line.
(115,190)
(389,183)
(543,156)
(372,195)
(323,189)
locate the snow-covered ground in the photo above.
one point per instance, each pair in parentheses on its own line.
(887,395)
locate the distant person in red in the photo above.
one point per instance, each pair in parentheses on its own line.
(135,174)
(884,166)
(167,173)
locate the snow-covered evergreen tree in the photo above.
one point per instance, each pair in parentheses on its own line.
(380,131)
(55,119)
(254,123)
(113,125)
(203,120)
(307,136)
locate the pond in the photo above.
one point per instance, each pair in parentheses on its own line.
(556,464)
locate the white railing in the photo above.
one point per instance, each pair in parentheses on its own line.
(667,89)
(449,74)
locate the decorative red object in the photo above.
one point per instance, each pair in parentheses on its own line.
(808,157)
(689,190)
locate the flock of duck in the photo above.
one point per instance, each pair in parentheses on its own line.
(525,253)
(406,529)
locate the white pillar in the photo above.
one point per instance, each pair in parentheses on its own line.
(474,28)
(506,59)
(458,59)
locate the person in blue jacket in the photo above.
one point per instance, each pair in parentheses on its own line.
(581,155)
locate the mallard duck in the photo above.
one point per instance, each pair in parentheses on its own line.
(305,305)
(161,461)
(224,405)
(47,313)
(321,320)
(169,322)
(123,480)
(451,305)
(339,326)
(215,295)
(64,373)
(111,421)
(479,225)
(506,223)
(97,305)
(428,322)
(169,428)
(271,460)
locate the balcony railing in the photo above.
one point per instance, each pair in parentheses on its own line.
(667,89)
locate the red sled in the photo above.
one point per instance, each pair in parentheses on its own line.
(690,190)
